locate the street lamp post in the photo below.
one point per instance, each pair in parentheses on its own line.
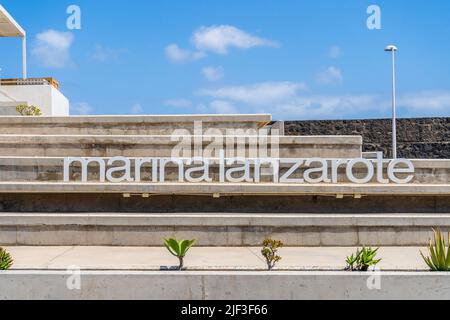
(393,49)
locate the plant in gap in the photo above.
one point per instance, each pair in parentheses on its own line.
(439,259)
(5,260)
(269,252)
(362,260)
(25,110)
(179,249)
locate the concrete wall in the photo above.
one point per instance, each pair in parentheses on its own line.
(220,229)
(9,108)
(29,285)
(425,138)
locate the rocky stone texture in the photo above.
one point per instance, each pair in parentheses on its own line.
(424,138)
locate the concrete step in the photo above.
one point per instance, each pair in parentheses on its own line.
(162,146)
(115,229)
(64,202)
(226,189)
(127,125)
(50,169)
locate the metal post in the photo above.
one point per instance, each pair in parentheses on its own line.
(393,49)
(24,58)
(394,110)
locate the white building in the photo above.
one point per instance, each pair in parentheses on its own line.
(41,92)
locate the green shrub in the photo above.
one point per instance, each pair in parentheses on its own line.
(439,259)
(179,249)
(25,110)
(5,260)
(363,260)
(269,252)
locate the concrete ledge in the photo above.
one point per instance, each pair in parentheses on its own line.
(117,119)
(218,230)
(162,146)
(87,125)
(166,140)
(224,189)
(223,285)
(225,220)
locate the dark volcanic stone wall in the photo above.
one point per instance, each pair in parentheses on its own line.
(424,138)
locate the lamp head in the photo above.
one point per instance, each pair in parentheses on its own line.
(391,48)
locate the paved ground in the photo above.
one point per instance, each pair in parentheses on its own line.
(144,258)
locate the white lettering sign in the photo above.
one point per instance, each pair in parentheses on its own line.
(240,170)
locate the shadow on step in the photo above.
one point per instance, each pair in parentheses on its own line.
(227,204)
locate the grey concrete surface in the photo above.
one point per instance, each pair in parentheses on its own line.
(196,203)
(117,125)
(216,236)
(223,220)
(214,273)
(129,285)
(129,119)
(224,189)
(162,146)
(219,285)
(205,258)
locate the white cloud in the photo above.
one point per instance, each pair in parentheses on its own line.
(220,39)
(417,104)
(104,54)
(178,103)
(136,108)
(286,101)
(256,94)
(81,108)
(424,102)
(330,75)
(223,107)
(178,55)
(52,48)
(213,74)
(334,52)
(329,107)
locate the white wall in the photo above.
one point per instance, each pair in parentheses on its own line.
(8,108)
(49,99)
(60,104)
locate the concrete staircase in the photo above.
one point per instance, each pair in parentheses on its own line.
(38,208)
(126,125)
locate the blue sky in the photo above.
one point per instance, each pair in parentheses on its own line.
(295,59)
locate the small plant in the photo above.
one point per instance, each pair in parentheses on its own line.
(5,260)
(30,111)
(363,260)
(179,249)
(439,259)
(269,251)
